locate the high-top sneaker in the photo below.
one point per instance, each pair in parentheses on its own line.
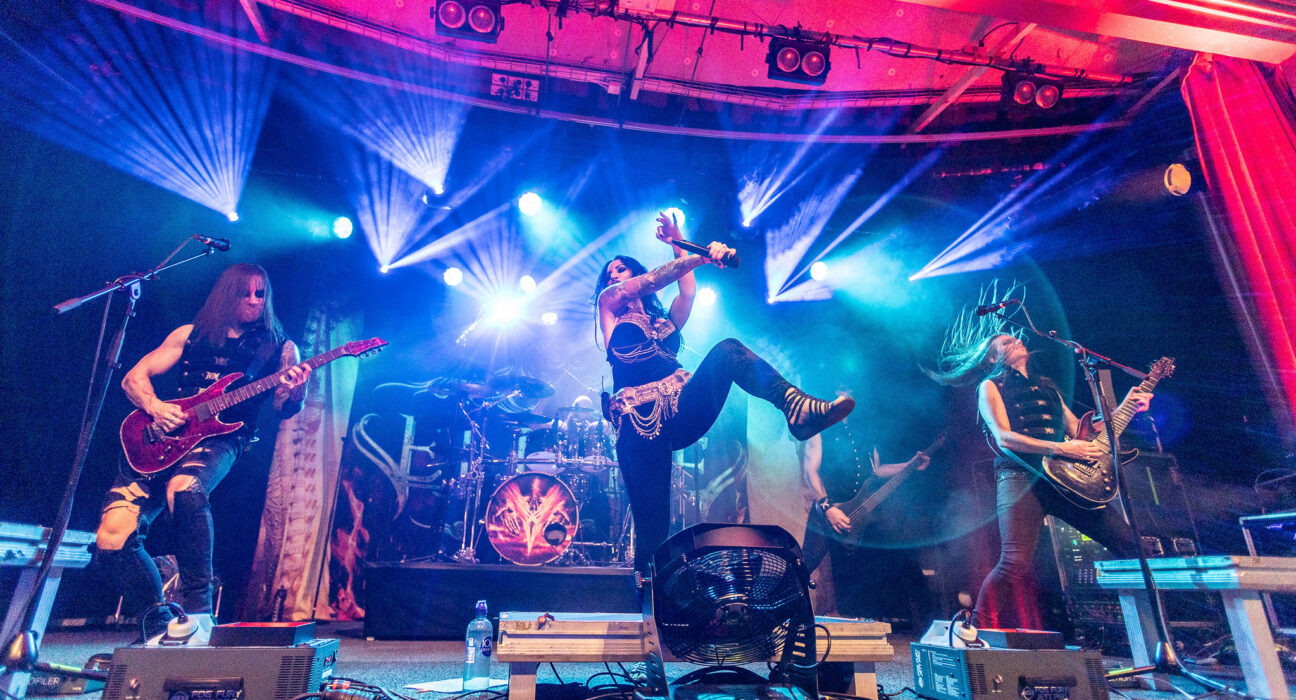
(808,416)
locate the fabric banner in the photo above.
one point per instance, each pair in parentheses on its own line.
(294,539)
(1242,120)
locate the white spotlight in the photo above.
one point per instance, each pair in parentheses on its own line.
(452,276)
(232,216)
(706,296)
(527,284)
(384,269)
(549,318)
(342,227)
(747,223)
(503,311)
(819,271)
(530,203)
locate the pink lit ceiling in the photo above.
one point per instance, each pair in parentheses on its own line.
(1118,45)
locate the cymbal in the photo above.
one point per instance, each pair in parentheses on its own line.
(526,419)
(446,386)
(529,387)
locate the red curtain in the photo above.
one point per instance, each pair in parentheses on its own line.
(1242,121)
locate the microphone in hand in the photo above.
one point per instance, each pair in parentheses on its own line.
(221,244)
(729,259)
(987,308)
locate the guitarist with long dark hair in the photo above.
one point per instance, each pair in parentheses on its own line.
(236,330)
(842,477)
(1025,420)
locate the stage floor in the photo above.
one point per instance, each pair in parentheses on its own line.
(394,664)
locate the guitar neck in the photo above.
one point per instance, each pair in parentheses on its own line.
(1122,415)
(884,490)
(233,398)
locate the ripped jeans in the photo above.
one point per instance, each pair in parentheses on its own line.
(135,500)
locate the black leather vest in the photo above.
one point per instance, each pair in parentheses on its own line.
(201,365)
(1034,409)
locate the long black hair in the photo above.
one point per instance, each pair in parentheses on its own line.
(218,314)
(652,304)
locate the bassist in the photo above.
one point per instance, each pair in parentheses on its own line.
(836,469)
(236,330)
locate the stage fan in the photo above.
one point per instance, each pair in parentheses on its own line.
(721,595)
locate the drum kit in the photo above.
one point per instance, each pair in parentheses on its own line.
(542,489)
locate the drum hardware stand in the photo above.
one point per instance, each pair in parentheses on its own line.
(1097,369)
(474,479)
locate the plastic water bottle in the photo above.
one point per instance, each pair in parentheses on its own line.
(478,647)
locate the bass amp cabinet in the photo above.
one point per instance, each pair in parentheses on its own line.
(220,673)
(1164,515)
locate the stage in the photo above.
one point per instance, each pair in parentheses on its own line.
(394,664)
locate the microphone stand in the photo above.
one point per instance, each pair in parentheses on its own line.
(22,651)
(1097,369)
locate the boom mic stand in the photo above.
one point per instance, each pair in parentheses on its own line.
(22,651)
(1097,369)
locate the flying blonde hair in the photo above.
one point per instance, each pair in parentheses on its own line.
(964,357)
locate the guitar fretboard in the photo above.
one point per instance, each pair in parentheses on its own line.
(1122,415)
(215,405)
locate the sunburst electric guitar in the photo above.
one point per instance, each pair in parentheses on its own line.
(1092,485)
(151,449)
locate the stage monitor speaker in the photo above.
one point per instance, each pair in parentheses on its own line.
(947,673)
(228,673)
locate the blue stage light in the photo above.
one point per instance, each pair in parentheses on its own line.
(819,271)
(232,216)
(452,276)
(549,318)
(677,214)
(530,203)
(527,284)
(706,296)
(342,227)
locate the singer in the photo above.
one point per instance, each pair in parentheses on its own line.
(658,406)
(236,330)
(1022,412)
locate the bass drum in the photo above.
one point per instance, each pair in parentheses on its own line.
(532,519)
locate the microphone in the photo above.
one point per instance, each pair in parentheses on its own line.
(221,244)
(983,310)
(728,259)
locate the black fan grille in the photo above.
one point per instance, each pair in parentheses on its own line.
(729,606)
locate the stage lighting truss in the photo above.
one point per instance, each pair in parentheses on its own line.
(798,61)
(1029,90)
(478,20)
(513,88)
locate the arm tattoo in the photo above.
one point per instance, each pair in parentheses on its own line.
(655,280)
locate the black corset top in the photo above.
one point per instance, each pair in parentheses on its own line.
(642,349)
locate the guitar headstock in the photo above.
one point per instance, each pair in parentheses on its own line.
(361,348)
(1162,368)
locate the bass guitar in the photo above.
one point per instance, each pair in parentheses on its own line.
(151,449)
(1092,484)
(861,507)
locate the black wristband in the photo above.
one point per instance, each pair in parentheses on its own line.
(824,504)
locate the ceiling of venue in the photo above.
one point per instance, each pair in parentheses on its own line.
(929,66)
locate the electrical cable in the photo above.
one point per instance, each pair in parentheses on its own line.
(555,672)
